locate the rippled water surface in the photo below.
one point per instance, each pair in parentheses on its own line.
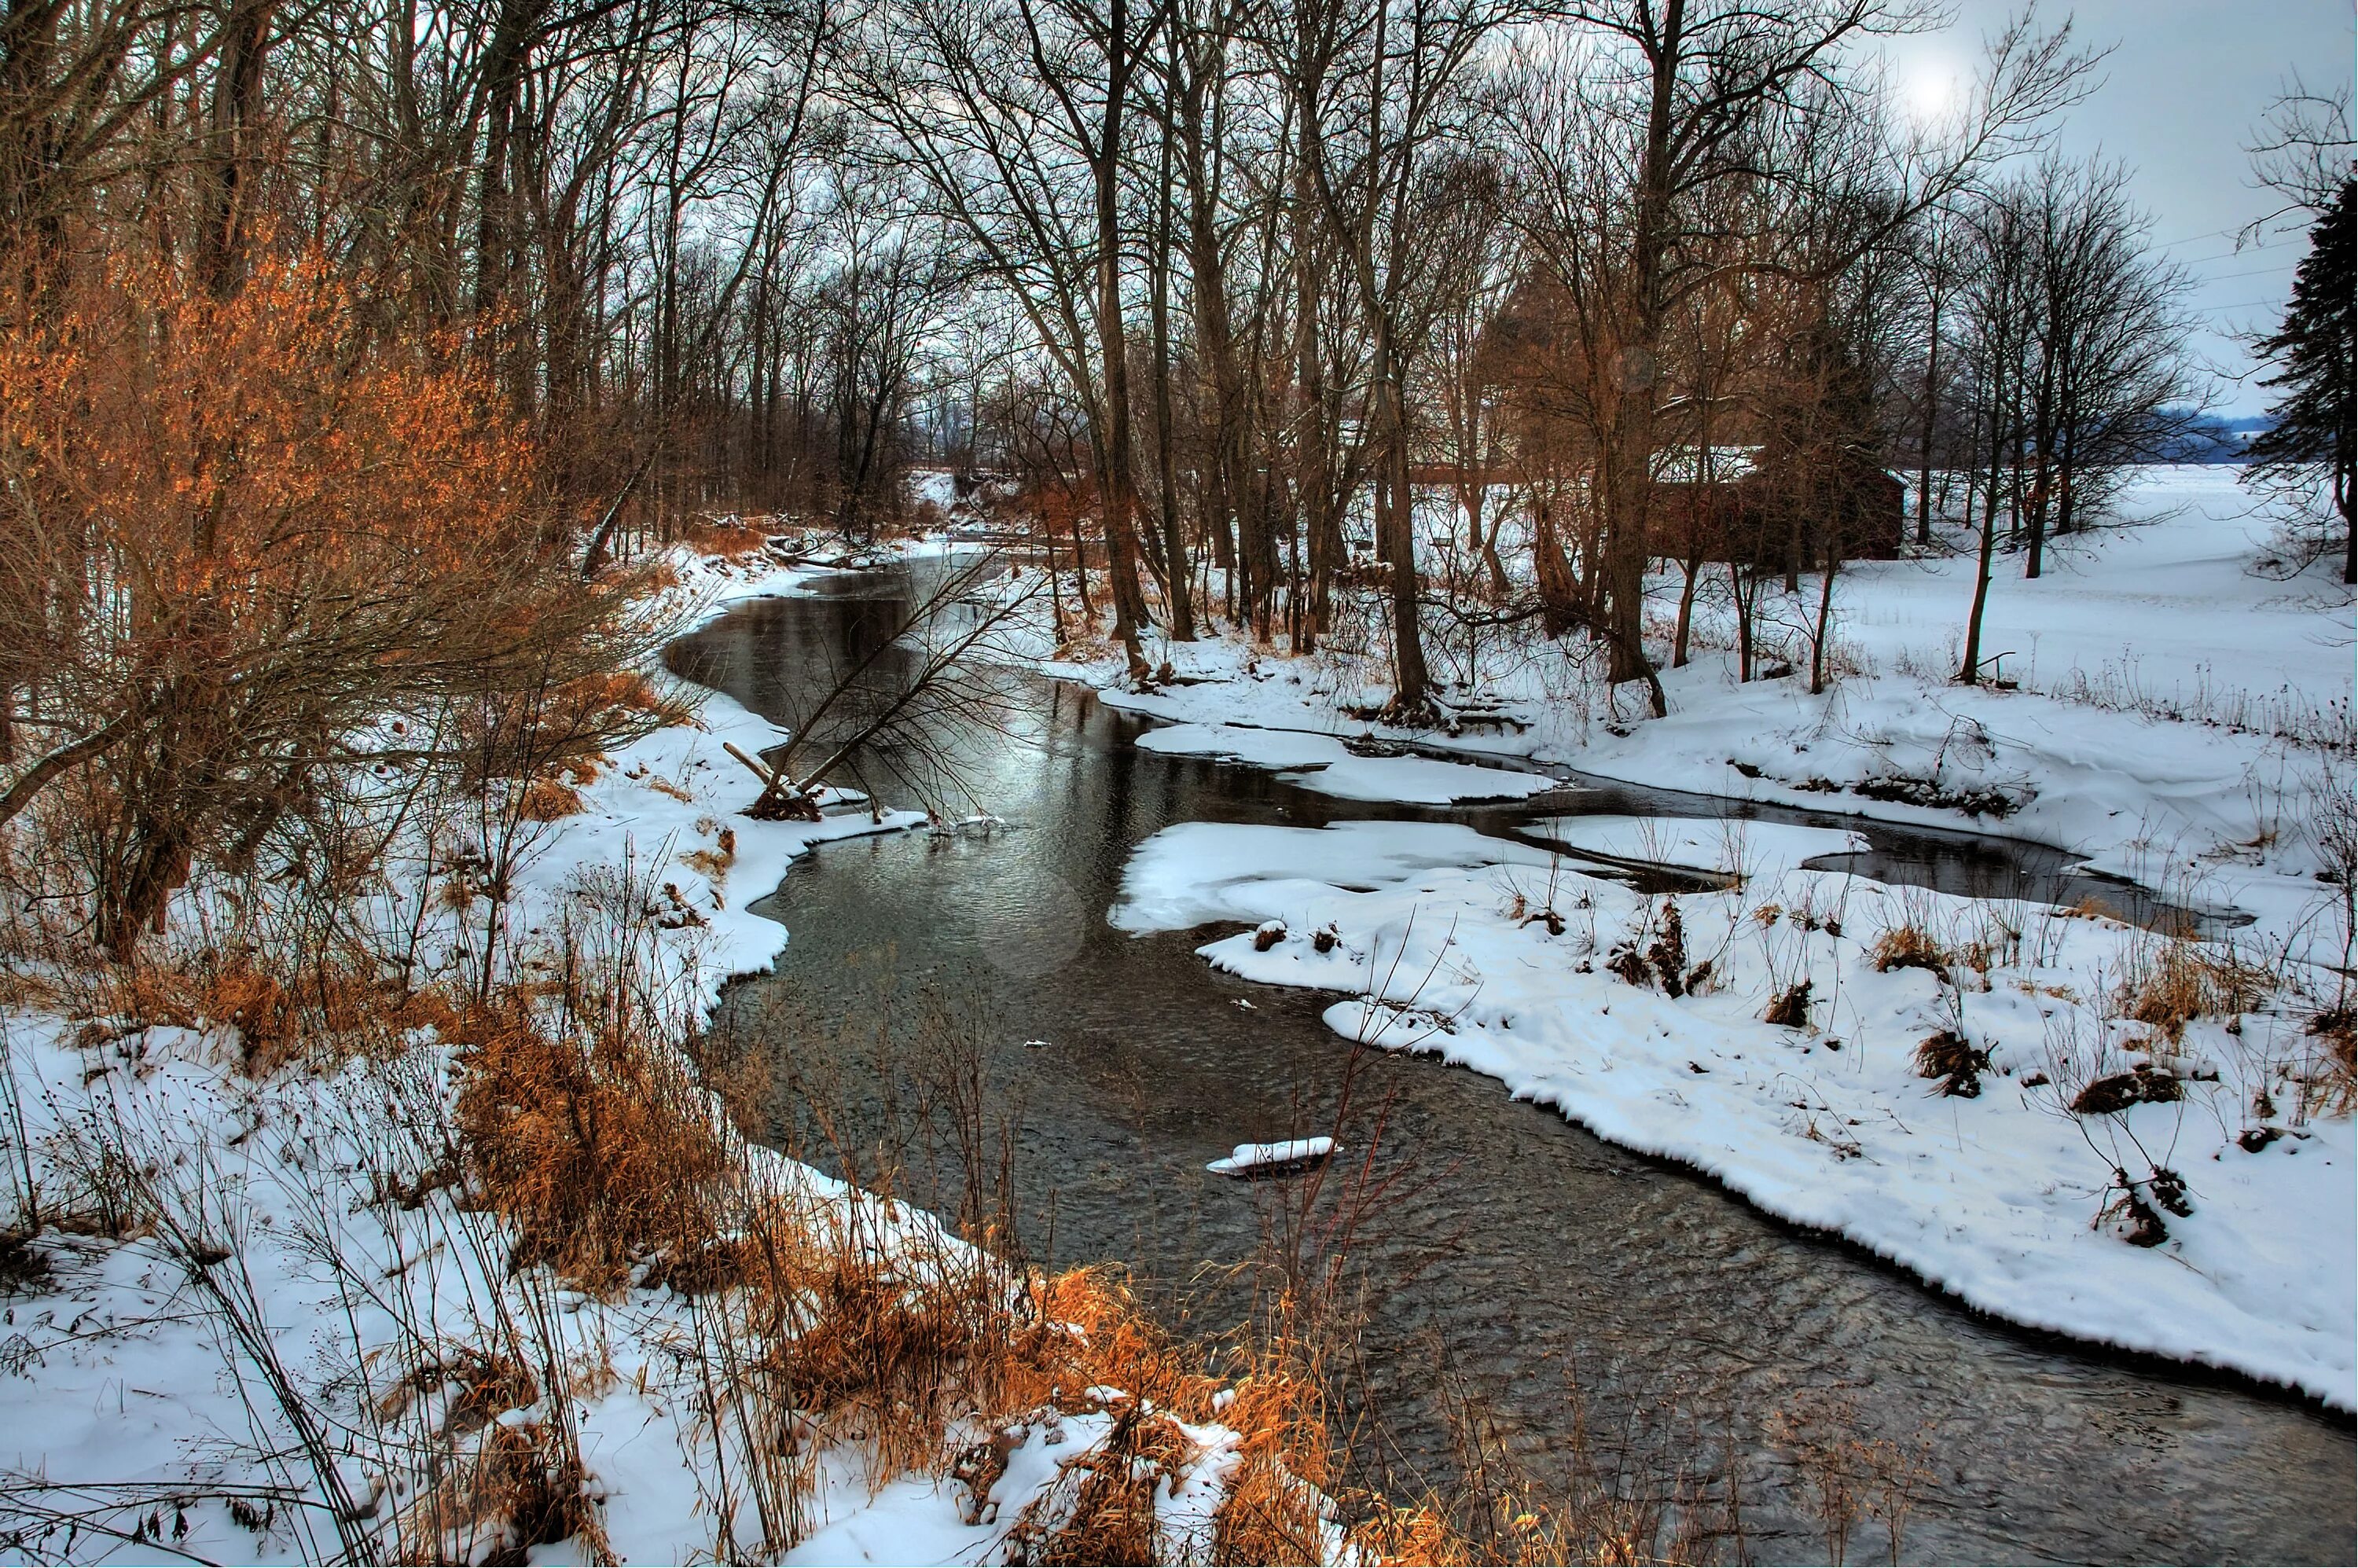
(1511,1248)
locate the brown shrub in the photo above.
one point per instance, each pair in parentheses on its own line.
(1789,1007)
(599,1153)
(1956,1060)
(1909,947)
(326,527)
(2176,980)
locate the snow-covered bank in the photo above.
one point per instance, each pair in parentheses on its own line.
(299,1316)
(2172,715)
(1643,1019)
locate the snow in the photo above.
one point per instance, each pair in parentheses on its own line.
(1199,873)
(1324,764)
(1238,743)
(1419,781)
(1247,1158)
(2182,602)
(1694,843)
(1994,1198)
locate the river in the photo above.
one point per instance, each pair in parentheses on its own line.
(1513,1256)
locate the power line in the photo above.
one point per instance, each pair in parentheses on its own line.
(2253,272)
(2228,255)
(2274,244)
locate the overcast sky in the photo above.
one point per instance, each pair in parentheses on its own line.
(2183,88)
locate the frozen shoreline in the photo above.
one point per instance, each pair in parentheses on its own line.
(1499,957)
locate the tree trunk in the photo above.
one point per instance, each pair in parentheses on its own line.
(1174,544)
(237,100)
(1925,431)
(1686,612)
(1121,494)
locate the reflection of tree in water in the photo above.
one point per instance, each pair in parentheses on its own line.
(914,689)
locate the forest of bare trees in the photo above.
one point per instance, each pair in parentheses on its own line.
(1257,303)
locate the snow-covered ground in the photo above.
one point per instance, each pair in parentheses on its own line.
(2180,717)
(123,1372)
(1567,988)
(150,1398)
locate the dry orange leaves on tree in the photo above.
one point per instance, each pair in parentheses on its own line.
(239,532)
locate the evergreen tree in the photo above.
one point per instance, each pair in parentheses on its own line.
(2316,352)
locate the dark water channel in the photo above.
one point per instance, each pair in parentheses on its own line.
(1532,1251)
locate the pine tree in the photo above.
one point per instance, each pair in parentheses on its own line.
(2316,352)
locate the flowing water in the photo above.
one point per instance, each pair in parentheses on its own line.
(1513,1256)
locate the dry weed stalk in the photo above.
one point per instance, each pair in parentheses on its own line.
(2168,982)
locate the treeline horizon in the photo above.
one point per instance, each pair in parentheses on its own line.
(1213,274)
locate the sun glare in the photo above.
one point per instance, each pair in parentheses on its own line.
(1930,91)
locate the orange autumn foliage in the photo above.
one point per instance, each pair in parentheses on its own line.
(240,531)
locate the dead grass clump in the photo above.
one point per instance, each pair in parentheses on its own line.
(2131,1216)
(724,538)
(880,1358)
(1667,953)
(483,1386)
(598,1153)
(2336,1087)
(1909,947)
(2112,1095)
(1270,1513)
(1085,1322)
(714,863)
(520,1487)
(1789,1007)
(1101,1508)
(234,992)
(549,800)
(2173,981)
(1956,1061)
(322,1013)
(1083,1330)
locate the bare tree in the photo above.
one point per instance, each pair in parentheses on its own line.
(1622,140)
